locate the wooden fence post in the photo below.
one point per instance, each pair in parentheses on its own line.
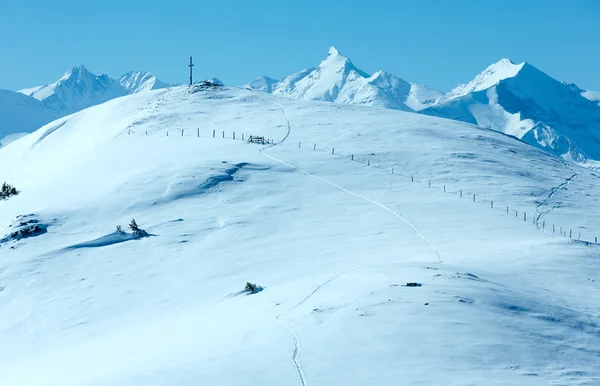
(544,224)
(553,229)
(198,132)
(596,240)
(392,170)
(444,188)
(167,133)
(315,147)
(506,209)
(412,179)
(332,150)
(234,135)
(368,163)
(146,132)
(461,193)
(516,213)
(213,133)
(524,216)
(473,198)
(298,145)
(492,204)
(182,132)
(352,157)
(242,136)
(570,233)
(429,183)
(223,133)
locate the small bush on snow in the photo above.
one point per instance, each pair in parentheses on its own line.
(252,288)
(7,191)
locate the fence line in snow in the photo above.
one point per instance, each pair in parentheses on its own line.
(535,220)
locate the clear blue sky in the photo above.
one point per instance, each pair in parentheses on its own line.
(438,43)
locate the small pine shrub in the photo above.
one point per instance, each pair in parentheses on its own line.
(252,288)
(119,229)
(134,226)
(7,191)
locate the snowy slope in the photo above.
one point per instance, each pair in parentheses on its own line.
(491,76)
(520,100)
(29,91)
(338,80)
(137,81)
(332,240)
(20,114)
(421,97)
(594,96)
(262,83)
(77,89)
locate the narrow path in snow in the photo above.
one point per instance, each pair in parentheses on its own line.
(296,340)
(357,195)
(546,201)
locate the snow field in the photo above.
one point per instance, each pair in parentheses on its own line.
(508,305)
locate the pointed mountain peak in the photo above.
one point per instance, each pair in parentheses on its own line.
(335,61)
(335,58)
(77,72)
(492,75)
(136,81)
(262,83)
(333,51)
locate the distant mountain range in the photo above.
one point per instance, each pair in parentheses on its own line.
(516,99)
(338,80)
(27,110)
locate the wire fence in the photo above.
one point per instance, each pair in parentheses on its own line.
(533,217)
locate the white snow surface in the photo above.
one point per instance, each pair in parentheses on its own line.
(20,114)
(338,80)
(421,97)
(29,91)
(320,222)
(138,81)
(262,83)
(594,96)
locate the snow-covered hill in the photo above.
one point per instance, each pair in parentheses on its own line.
(137,81)
(20,115)
(522,101)
(338,80)
(76,90)
(331,235)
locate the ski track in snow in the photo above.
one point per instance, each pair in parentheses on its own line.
(295,355)
(546,201)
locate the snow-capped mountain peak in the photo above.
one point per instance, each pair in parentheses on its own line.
(503,69)
(136,81)
(337,62)
(337,79)
(77,89)
(262,83)
(522,101)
